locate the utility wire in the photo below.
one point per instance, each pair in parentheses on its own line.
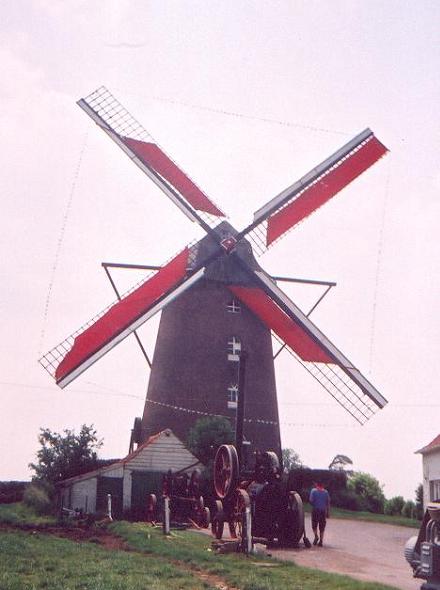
(116,393)
(378,268)
(60,244)
(251,117)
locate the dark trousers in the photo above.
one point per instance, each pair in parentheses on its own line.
(319,519)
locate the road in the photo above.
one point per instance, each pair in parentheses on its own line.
(363,550)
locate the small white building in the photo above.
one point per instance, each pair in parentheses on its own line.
(129,480)
(431,470)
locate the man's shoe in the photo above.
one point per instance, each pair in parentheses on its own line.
(315,541)
(320,544)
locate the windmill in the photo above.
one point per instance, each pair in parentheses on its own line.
(216,300)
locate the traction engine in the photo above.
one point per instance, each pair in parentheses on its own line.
(257,506)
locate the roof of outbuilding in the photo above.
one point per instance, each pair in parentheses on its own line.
(118,462)
(432,446)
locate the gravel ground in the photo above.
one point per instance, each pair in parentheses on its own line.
(363,550)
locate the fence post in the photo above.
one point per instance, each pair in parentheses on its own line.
(247,530)
(166,515)
(109,506)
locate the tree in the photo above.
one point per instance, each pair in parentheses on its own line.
(291,459)
(340,463)
(67,454)
(409,509)
(419,501)
(369,490)
(394,506)
(207,435)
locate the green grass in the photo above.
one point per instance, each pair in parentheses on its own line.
(34,560)
(371,517)
(247,573)
(37,561)
(19,514)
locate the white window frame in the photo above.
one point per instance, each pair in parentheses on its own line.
(234,349)
(233,306)
(232,396)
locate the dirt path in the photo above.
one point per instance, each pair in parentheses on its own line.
(363,550)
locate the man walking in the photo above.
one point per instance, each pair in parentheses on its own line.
(320,501)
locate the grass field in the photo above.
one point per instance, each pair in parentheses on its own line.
(34,560)
(21,515)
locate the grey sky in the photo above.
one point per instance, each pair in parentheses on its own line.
(324,71)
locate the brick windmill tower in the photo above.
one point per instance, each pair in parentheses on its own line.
(216,301)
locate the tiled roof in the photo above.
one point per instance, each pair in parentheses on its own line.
(141,447)
(434,444)
(116,462)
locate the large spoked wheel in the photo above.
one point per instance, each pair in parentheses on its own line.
(226,471)
(237,519)
(218,520)
(293,526)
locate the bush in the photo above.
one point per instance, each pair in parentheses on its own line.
(369,489)
(207,435)
(349,500)
(36,496)
(409,509)
(394,506)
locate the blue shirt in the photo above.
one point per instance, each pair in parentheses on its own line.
(319,499)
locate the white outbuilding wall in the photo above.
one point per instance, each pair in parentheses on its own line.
(431,476)
(160,453)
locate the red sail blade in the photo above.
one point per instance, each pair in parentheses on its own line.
(117,322)
(155,158)
(324,189)
(286,328)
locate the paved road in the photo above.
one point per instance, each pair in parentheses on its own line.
(364,550)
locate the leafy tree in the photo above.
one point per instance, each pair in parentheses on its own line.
(394,506)
(419,501)
(409,509)
(340,463)
(369,489)
(291,459)
(207,435)
(67,454)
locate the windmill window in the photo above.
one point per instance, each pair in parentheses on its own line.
(233,306)
(232,396)
(234,349)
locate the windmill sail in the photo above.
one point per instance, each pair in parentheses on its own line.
(141,148)
(222,263)
(313,190)
(311,347)
(79,351)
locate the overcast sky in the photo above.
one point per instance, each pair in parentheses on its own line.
(246,97)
